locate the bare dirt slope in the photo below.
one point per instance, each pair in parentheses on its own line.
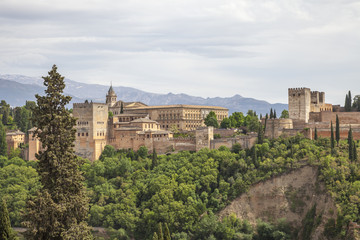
(288,196)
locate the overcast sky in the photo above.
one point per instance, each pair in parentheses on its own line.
(204,48)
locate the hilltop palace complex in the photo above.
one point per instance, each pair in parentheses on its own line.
(134,124)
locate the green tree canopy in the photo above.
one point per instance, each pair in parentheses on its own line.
(211,120)
(284,114)
(225,123)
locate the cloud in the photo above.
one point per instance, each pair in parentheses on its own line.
(254,48)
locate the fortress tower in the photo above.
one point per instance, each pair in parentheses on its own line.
(111,97)
(299,103)
(91,129)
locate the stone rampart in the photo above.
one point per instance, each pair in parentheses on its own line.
(225,132)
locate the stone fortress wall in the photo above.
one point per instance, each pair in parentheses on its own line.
(307,111)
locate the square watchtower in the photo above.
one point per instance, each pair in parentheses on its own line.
(299,103)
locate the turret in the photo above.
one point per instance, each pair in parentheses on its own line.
(111,97)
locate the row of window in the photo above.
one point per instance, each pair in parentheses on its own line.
(82,123)
(83,134)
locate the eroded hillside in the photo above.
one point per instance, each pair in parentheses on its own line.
(289,196)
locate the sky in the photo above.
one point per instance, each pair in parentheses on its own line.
(207,48)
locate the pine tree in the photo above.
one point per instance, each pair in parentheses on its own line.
(337,130)
(271,113)
(167,232)
(316,134)
(160,231)
(3,143)
(59,209)
(332,137)
(6,232)
(275,114)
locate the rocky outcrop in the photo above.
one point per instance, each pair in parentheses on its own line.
(288,196)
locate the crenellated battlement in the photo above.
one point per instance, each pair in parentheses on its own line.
(297,90)
(82,105)
(87,105)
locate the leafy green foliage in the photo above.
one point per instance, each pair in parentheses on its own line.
(132,195)
(211,120)
(284,114)
(18,180)
(225,123)
(250,122)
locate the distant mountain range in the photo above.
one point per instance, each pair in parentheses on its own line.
(16,89)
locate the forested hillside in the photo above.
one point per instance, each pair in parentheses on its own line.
(132,192)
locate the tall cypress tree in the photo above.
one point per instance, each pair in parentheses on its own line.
(350,143)
(337,130)
(6,232)
(271,113)
(155,236)
(154,161)
(354,155)
(3,143)
(332,137)
(160,231)
(167,232)
(122,108)
(260,139)
(275,113)
(59,209)
(316,134)
(5,116)
(348,102)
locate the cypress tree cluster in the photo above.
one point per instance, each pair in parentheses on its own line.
(163,233)
(59,209)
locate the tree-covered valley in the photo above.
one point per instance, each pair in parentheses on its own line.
(133,193)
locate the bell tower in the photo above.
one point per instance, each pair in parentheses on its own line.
(111,97)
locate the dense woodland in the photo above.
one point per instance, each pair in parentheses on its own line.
(145,196)
(132,192)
